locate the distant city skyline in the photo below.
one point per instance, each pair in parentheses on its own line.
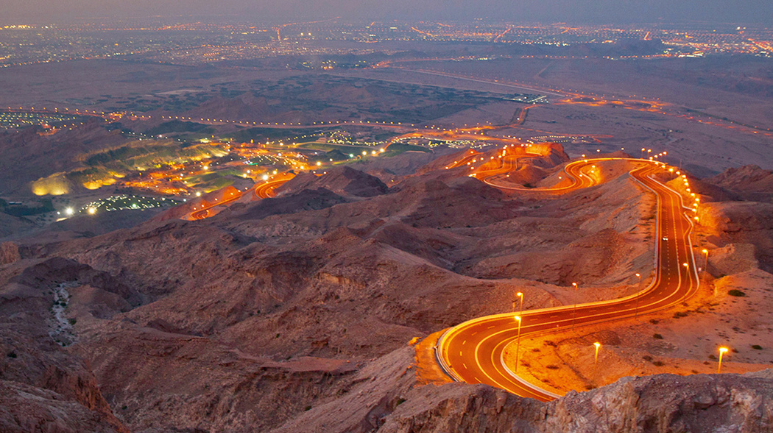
(573,11)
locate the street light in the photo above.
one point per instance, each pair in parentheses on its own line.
(574,310)
(638,289)
(706,265)
(520,295)
(722,351)
(518,342)
(595,360)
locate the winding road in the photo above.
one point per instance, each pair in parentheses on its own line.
(473,351)
(259,191)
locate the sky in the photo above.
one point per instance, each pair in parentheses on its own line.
(577,11)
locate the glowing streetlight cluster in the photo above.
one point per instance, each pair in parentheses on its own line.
(655,157)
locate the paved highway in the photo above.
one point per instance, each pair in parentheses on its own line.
(578,174)
(207,211)
(472,352)
(259,192)
(266,190)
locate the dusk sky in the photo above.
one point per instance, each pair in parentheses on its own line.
(596,11)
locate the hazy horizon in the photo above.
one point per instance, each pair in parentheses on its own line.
(577,11)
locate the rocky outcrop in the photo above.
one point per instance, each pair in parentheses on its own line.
(662,403)
(749,178)
(742,222)
(59,270)
(25,409)
(38,377)
(9,253)
(552,154)
(666,403)
(344,180)
(460,408)
(732,259)
(306,199)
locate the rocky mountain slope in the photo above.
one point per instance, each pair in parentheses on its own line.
(661,403)
(42,156)
(293,313)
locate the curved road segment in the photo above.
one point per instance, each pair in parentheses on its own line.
(259,192)
(472,352)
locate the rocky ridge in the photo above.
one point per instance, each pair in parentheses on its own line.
(292,314)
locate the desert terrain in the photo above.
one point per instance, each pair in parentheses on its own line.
(298,309)
(271,245)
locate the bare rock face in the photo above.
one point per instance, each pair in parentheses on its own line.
(553,154)
(459,408)
(306,199)
(665,403)
(528,174)
(743,222)
(43,387)
(59,270)
(589,257)
(749,178)
(25,408)
(661,403)
(344,180)
(9,253)
(440,204)
(732,259)
(740,217)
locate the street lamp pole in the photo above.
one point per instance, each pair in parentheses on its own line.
(574,310)
(518,343)
(638,289)
(520,295)
(706,263)
(596,358)
(722,351)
